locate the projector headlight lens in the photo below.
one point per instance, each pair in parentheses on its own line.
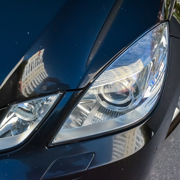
(124,93)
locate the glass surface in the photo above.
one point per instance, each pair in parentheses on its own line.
(21,119)
(125,92)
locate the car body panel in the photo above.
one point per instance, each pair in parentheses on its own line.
(34,157)
(77,43)
(70,68)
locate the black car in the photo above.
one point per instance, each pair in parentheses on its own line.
(88,89)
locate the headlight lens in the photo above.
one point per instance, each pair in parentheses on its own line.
(21,119)
(124,93)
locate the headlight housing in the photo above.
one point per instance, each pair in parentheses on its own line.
(22,118)
(124,93)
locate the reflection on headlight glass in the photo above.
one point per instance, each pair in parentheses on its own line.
(125,92)
(21,119)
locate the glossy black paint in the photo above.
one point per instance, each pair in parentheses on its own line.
(69,165)
(72,67)
(31,160)
(78,42)
(67,40)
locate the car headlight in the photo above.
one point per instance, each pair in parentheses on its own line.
(22,118)
(124,93)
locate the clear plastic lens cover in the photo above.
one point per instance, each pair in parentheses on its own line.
(125,92)
(21,119)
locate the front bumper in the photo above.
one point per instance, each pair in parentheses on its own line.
(111,156)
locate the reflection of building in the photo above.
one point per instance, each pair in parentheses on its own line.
(118,72)
(34,73)
(127,143)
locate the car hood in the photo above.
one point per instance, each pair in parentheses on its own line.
(51,46)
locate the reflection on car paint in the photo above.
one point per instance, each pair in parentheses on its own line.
(127,143)
(108,23)
(34,73)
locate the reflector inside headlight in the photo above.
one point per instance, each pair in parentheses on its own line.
(21,119)
(125,92)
